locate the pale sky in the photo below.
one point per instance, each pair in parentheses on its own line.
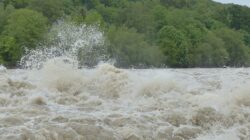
(240,2)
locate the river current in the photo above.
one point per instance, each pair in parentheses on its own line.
(60,102)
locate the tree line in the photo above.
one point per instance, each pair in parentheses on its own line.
(174,33)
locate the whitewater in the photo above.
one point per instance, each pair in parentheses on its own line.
(52,98)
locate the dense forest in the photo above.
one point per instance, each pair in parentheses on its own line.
(173,33)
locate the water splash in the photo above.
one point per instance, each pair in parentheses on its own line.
(76,44)
(2,69)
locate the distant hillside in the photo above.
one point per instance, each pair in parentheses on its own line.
(174,33)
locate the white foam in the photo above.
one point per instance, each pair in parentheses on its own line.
(2,69)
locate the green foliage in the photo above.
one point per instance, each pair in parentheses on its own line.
(239,17)
(109,14)
(211,52)
(160,17)
(174,46)
(114,3)
(129,48)
(4,13)
(93,17)
(52,9)
(21,3)
(2,17)
(91,4)
(138,15)
(247,39)
(10,52)
(26,26)
(78,15)
(17,3)
(234,43)
(178,3)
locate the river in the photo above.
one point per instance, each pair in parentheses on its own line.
(60,102)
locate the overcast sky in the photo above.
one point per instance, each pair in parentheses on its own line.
(241,2)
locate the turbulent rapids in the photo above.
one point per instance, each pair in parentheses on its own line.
(55,100)
(63,103)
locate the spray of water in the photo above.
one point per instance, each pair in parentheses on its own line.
(76,44)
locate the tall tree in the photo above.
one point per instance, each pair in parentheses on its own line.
(24,28)
(174,45)
(128,48)
(52,9)
(234,43)
(10,52)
